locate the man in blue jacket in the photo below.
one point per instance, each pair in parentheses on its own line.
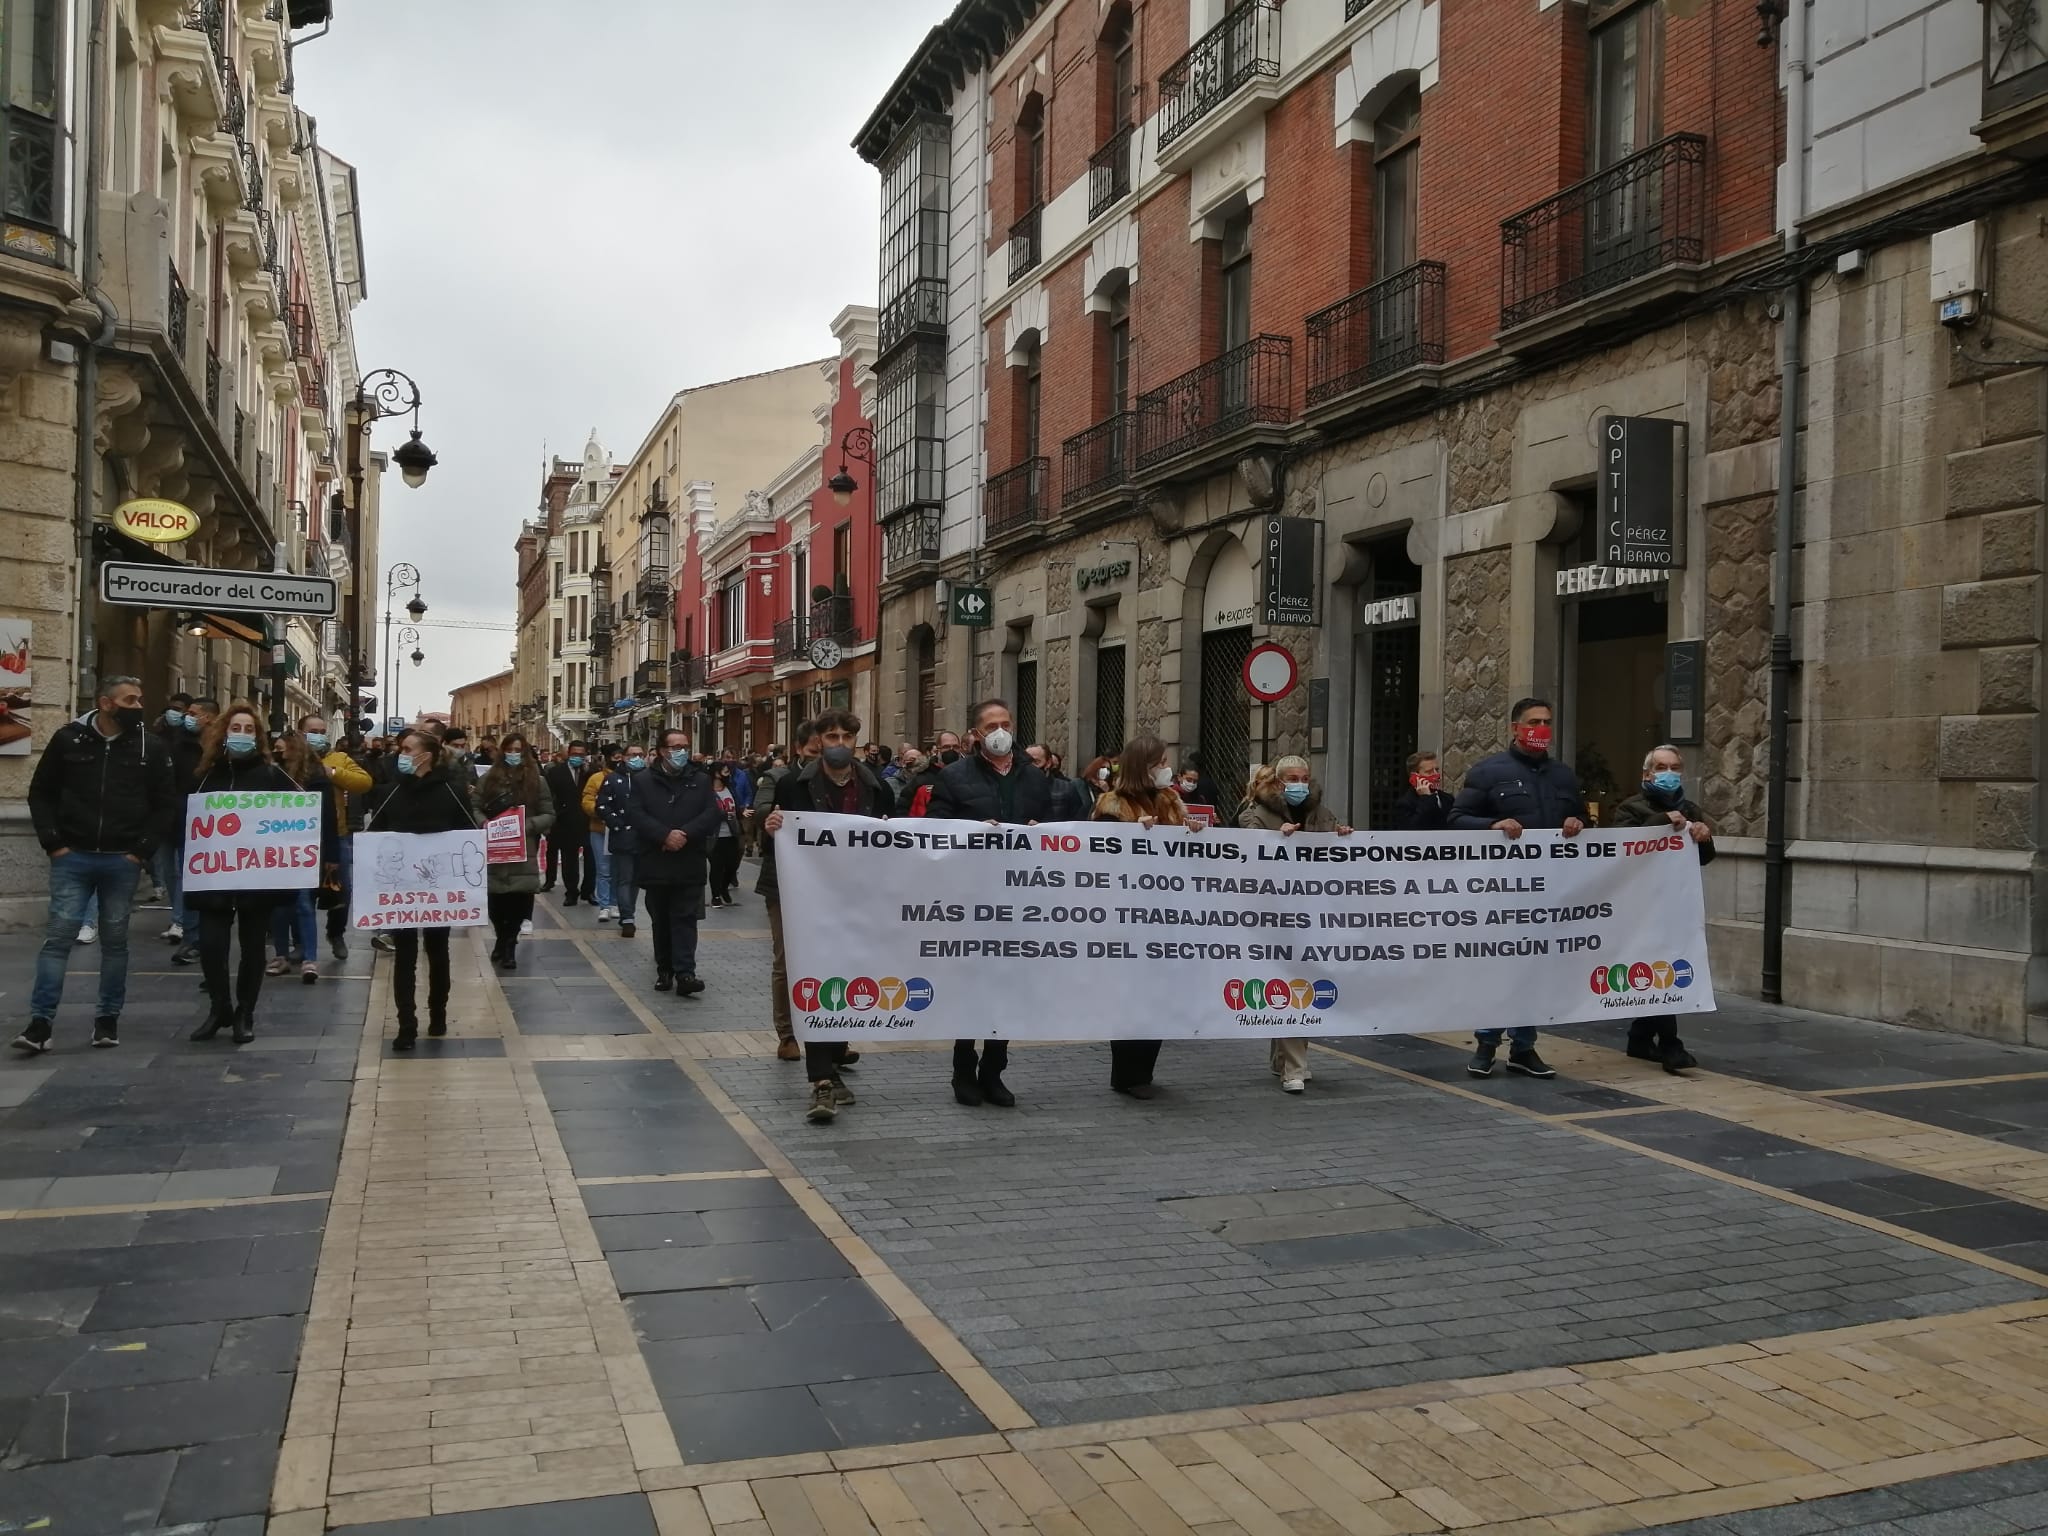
(1510,792)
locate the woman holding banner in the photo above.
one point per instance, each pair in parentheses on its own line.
(427,794)
(1285,799)
(514,782)
(295,924)
(1144,794)
(234,758)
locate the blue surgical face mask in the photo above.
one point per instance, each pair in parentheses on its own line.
(317,740)
(191,723)
(678,757)
(403,764)
(575,762)
(636,763)
(1294,794)
(241,746)
(174,718)
(1665,783)
(514,759)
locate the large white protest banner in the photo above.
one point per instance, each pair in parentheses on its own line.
(419,880)
(254,840)
(913,929)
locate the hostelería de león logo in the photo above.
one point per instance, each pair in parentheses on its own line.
(1643,984)
(1257,995)
(885,996)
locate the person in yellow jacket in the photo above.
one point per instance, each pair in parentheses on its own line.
(351,782)
(600,855)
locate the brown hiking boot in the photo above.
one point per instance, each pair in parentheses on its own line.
(823,1109)
(789,1050)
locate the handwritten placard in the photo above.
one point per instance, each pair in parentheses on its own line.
(256,840)
(419,880)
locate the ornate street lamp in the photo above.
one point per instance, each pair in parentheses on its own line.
(386,392)
(859,445)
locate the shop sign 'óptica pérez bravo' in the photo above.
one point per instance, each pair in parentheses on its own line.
(1641,493)
(1291,565)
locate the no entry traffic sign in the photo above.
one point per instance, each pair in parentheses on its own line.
(1270,673)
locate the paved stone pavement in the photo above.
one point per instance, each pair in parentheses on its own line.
(582,1267)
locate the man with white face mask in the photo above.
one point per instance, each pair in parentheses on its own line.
(995,785)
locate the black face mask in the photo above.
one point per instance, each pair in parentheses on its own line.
(949,755)
(131,719)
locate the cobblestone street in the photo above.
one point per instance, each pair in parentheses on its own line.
(582,1267)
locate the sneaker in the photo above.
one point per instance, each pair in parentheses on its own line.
(87,933)
(1481,1064)
(626,929)
(277,966)
(383,942)
(106,1032)
(337,944)
(175,934)
(35,1039)
(824,1104)
(309,973)
(607,914)
(526,927)
(789,1050)
(687,985)
(1529,1064)
(1293,1085)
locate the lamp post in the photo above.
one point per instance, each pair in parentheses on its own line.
(406,636)
(386,392)
(858,445)
(403,574)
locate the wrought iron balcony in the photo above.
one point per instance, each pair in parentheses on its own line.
(1097,461)
(298,322)
(241,431)
(910,542)
(1396,323)
(656,504)
(601,634)
(789,639)
(252,176)
(1244,46)
(313,394)
(179,310)
(236,119)
(679,661)
(919,310)
(1016,502)
(650,679)
(2015,54)
(1024,251)
(1636,217)
(652,588)
(1246,386)
(1109,172)
(212,381)
(209,17)
(1353,7)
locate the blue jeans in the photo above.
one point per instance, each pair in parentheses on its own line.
(601,861)
(298,910)
(76,879)
(1521,1038)
(169,868)
(624,892)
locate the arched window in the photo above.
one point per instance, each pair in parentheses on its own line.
(1396,182)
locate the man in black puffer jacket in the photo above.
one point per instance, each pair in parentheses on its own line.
(1511,792)
(995,785)
(675,816)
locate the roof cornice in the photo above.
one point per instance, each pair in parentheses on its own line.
(976,33)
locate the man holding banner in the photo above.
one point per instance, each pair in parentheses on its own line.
(993,785)
(1516,791)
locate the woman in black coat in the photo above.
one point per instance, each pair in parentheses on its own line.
(235,758)
(422,798)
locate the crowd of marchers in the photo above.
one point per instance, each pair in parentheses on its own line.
(666,827)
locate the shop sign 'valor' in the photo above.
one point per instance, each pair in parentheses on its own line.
(1641,496)
(156,521)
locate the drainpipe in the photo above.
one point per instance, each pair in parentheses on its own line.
(1771,981)
(83,649)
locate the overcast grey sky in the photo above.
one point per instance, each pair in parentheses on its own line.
(572,211)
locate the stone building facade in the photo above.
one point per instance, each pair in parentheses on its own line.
(177,280)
